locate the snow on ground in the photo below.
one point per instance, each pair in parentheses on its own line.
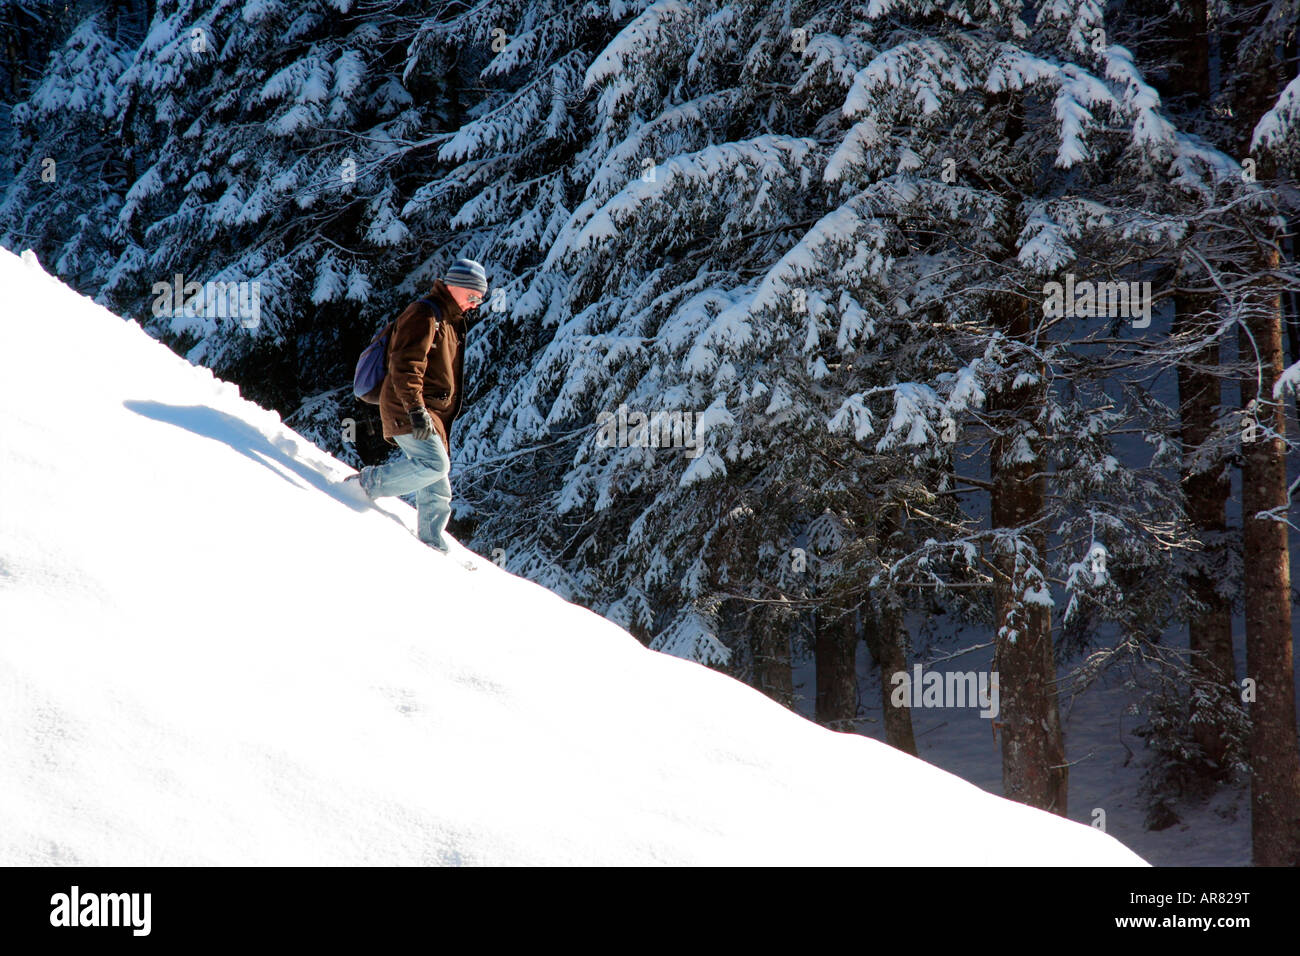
(1107,758)
(213,653)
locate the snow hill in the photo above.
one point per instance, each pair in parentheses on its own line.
(213,653)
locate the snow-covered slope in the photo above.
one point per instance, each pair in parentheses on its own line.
(212,653)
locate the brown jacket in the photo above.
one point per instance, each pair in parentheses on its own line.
(424,367)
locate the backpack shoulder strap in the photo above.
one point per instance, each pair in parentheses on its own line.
(437,311)
(391,327)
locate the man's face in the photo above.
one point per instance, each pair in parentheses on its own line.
(465,298)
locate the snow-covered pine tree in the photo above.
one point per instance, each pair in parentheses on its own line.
(30,31)
(715,277)
(1024,144)
(706,269)
(67,187)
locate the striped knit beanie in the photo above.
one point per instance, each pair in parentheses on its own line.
(467,274)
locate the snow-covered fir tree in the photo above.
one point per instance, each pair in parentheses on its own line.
(66,188)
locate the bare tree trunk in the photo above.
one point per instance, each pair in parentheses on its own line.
(887,639)
(1274,750)
(1206,489)
(773,675)
(1189,29)
(1033,748)
(836,642)
(1205,484)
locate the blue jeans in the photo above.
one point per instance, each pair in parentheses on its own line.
(424,469)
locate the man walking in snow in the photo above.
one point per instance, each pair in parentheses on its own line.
(421,396)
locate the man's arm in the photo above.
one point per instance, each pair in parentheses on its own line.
(408,353)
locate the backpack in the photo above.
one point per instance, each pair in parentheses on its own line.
(372,366)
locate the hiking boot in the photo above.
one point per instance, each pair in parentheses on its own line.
(354,481)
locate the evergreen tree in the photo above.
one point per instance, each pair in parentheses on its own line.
(67,185)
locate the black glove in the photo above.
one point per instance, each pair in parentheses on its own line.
(422,422)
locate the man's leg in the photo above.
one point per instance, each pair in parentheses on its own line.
(423,469)
(433,508)
(416,468)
